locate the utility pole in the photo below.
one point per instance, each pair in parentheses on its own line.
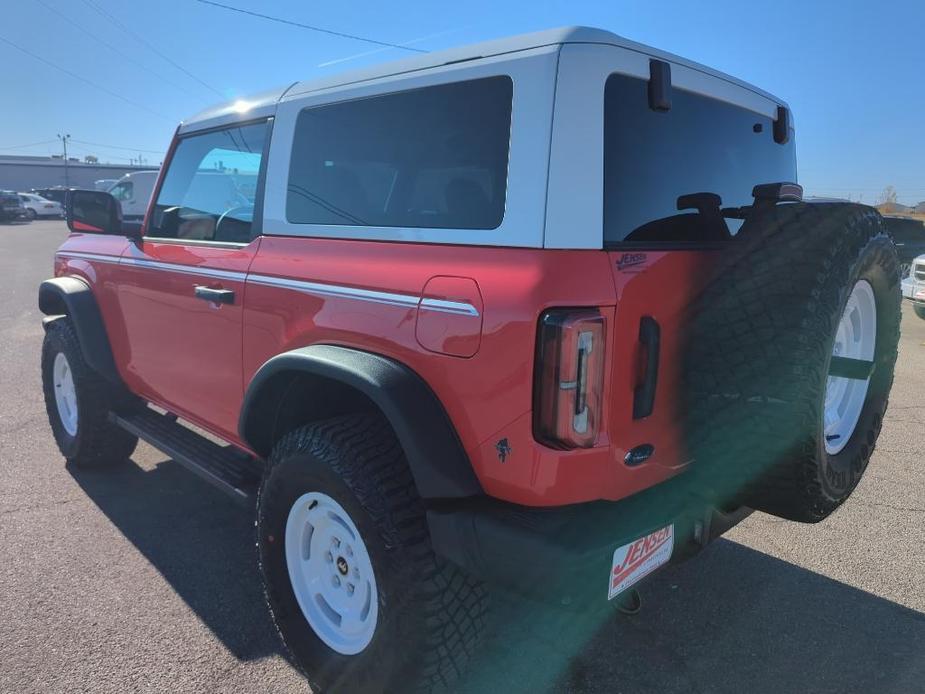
(64,139)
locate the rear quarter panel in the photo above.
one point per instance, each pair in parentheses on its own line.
(488,396)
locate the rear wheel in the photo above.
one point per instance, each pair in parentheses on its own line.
(359,598)
(31,214)
(78,402)
(791,355)
(919,311)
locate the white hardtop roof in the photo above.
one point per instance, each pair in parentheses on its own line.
(265,102)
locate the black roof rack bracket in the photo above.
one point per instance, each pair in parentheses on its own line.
(782,126)
(659,85)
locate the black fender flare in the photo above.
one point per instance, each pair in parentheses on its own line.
(73,297)
(435,455)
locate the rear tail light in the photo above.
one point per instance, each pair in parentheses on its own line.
(569,379)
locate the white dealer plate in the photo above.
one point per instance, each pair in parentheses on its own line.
(634,561)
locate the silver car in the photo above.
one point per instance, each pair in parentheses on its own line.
(913,286)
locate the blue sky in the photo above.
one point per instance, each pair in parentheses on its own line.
(852,71)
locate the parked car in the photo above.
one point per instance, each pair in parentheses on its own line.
(55,193)
(11,207)
(37,206)
(133,191)
(506,314)
(909,236)
(913,286)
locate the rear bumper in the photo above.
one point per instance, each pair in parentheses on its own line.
(567,553)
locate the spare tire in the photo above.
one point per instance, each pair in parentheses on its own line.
(789,359)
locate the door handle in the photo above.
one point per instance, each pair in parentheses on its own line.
(644,395)
(216,296)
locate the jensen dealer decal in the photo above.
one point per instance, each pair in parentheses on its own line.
(636,560)
(628,260)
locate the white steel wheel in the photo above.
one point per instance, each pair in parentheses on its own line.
(855,338)
(331,573)
(65,393)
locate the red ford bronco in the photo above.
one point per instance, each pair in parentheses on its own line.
(546,312)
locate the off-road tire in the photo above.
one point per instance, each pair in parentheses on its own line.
(760,342)
(97,442)
(919,311)
(431,615)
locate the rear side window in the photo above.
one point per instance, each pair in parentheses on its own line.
(701,145)
(434,157)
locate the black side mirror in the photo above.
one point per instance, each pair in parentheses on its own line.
(95,212)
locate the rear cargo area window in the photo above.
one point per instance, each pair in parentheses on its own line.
(434,158)
(701,145)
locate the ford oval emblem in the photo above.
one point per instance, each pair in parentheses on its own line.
(639,454)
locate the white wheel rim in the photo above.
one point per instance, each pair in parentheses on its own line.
(65,393)
(331,573)
(856,338)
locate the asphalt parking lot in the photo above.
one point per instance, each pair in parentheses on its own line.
(143,578)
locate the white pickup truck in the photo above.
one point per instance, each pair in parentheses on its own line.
(913,286)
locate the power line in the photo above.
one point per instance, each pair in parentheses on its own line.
(108,45)
(310,27)
(31,144)
(151,46)
(128,149)
(83,79)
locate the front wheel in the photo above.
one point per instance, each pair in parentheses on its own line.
(78,401)
(357,594)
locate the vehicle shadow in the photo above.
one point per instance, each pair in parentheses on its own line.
(732,620)
(200,541)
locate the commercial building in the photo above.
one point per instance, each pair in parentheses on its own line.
(23,172)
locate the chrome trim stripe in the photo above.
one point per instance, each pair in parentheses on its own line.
(186,269)
(389,298)
(197,242)
(461,308)
(89,256)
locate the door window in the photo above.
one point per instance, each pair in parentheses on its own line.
(210,187)
(122,191)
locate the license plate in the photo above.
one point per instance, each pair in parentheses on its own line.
(634,561)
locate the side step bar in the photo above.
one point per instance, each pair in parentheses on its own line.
(228,468)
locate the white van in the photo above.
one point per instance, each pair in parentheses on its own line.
(133,191)
(104,184)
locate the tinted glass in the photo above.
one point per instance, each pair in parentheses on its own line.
(211,186)
(701,145)
(433,157)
